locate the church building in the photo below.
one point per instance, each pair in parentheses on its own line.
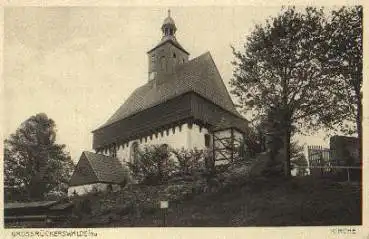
(184,104)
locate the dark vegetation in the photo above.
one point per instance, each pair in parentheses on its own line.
(35,166)
(301,71)
(254,202)
(244,194)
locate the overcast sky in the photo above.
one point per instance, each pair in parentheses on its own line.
(79,64)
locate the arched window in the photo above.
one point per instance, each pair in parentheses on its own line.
(134,152)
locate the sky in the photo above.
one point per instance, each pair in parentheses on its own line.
(79,64)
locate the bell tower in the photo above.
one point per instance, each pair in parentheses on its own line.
(168,53)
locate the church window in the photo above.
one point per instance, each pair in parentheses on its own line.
(134,152)
(174,55)
(207,140)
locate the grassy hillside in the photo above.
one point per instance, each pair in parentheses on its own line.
(257,202)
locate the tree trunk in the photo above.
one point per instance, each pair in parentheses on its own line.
(287,152)
(359,126)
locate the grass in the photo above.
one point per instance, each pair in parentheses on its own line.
(260,202)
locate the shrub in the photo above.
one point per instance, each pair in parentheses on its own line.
(153,165)
(189,161)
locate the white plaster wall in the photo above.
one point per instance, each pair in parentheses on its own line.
(188,138)
(185,138)
(84,189)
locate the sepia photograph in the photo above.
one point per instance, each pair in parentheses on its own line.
(169,116)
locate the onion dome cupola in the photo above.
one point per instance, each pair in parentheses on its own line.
(168,53)
(169,27)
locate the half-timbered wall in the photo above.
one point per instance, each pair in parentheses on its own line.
(225,144)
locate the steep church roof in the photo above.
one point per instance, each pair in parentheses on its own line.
(199,75)
(95,168)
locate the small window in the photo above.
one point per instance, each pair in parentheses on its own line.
(134,152)
(174,55)
(207,140)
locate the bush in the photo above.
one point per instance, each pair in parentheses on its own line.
(189,161)
(153,165)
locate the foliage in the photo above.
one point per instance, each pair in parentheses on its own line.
(298,159)
(344,61)
(283,73)
(34,164)
(153,164)
(189,161)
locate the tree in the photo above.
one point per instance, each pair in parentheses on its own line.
(189,161)
(344,61)
(298,159)
(280,72)
(153,164)
(34,164)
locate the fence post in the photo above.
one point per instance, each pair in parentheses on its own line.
(348,174)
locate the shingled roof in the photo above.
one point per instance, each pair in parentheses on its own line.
(95,168)
(199,75)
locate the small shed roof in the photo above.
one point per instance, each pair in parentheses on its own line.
(16,205)
(95,168)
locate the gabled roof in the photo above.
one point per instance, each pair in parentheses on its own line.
(199,75)
(94,168)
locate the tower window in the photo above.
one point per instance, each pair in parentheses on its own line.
(174,55)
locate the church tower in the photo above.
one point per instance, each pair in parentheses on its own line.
(168,53)
(184,104)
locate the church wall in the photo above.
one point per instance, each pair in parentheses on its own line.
(175,137)
(88,188)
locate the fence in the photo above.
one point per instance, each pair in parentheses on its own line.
(321,162)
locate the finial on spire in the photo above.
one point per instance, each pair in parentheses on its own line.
(168,12)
